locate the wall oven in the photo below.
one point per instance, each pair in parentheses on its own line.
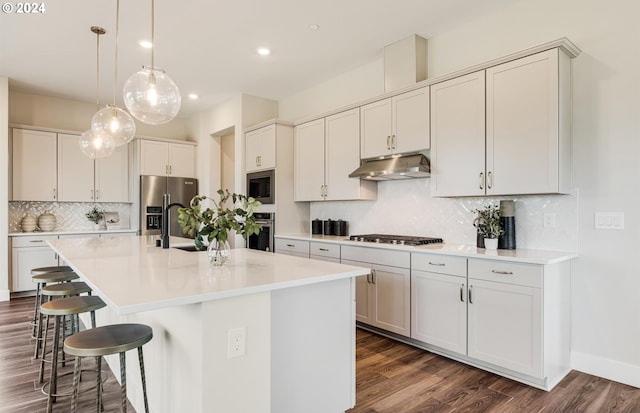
(264,240)
(261,186)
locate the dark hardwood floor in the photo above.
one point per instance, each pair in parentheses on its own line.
(19,388)
(391,378)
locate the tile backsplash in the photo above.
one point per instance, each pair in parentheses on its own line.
(407,208)
(70,216)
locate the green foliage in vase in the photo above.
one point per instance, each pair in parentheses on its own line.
(95,215)
(215,223)
(487,221)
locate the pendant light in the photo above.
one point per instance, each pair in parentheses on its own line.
(150,95)
(112,120)
(97,145)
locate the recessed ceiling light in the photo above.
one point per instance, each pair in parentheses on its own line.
(263,51)
(146,44)
(193,96)
(314,27)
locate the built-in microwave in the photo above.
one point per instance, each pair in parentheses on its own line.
(261,186)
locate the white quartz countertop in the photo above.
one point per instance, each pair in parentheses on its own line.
(132,275)
(72,232)
(469,251)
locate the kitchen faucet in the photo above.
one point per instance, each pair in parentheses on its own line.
(166,206)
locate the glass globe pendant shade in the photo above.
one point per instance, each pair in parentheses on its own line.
(114,122)
(151,96)
(96,146)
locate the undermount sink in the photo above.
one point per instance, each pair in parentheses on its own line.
(190,248)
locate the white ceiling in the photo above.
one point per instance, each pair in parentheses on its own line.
(209,47)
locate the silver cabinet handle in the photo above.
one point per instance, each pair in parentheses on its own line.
(37,240)
(470,297)
(461,297)
(257,163)
(324,249)
(388,143)
(291,245)
(502,272)
(481,180)
(369,278)
(393,141)
(92,194)
(97,194)
(373,276)
(170,169)
(437,264)
(489,180)
(55,193)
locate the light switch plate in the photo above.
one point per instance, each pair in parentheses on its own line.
(609,220)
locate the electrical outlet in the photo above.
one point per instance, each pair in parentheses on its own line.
(549,220)
(236,342)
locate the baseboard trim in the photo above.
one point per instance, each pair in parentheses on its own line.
(5,295)
(609,369)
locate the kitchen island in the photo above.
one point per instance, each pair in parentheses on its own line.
(298,318)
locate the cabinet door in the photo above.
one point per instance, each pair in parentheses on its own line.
(260,150)
(391,299)
(309,161)
(375,133)
(505,325)
(342,155)
(34,165)
(75,171)
(182,160)
(364,294)
(154,158)
(23,260)
(410,121)
(458,136)
(522,125)
(439,310)
(112,176)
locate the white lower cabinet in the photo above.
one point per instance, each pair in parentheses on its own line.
(293,247)
(26,253)
(382,297)
(324,251)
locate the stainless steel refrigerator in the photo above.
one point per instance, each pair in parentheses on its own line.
(180,190)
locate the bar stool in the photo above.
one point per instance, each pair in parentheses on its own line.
(42,280)
(67,289)
(102,341)
(44,270)
(60,308)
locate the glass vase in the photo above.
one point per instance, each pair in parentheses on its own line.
(218,252)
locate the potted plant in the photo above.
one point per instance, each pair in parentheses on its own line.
(214,224)
(488,225)
(95,215)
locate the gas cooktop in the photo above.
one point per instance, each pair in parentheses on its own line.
(395,239)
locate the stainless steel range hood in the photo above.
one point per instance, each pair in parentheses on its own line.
(397,167)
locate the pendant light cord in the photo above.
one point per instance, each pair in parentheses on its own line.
(98,69)
(153,42)
(115,77)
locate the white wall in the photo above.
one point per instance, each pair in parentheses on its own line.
(4,189)
(50,112)
(606,96)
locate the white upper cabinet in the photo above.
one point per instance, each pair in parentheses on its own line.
(82,179)
(399,124)
(326,152)
(260,152)
(524,147)
(458,137)
(34,157)
(166,159)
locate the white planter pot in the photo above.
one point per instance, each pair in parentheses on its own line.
(491,243)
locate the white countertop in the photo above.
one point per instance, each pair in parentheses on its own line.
(72,232)
(469,251)
(132,275)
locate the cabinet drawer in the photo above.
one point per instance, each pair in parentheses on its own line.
(324,249)
(292,245)
(32,241)
(506,272)
(401,259)
(441,264)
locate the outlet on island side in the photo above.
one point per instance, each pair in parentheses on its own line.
(236,342)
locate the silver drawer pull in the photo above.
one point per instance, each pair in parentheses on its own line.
(502,272)
(437,264)
(461,288)
(37,240)
(324,249)
(291,245)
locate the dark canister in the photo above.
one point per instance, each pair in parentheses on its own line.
(316,226)
(340,228)
(329,227)
(507,241)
